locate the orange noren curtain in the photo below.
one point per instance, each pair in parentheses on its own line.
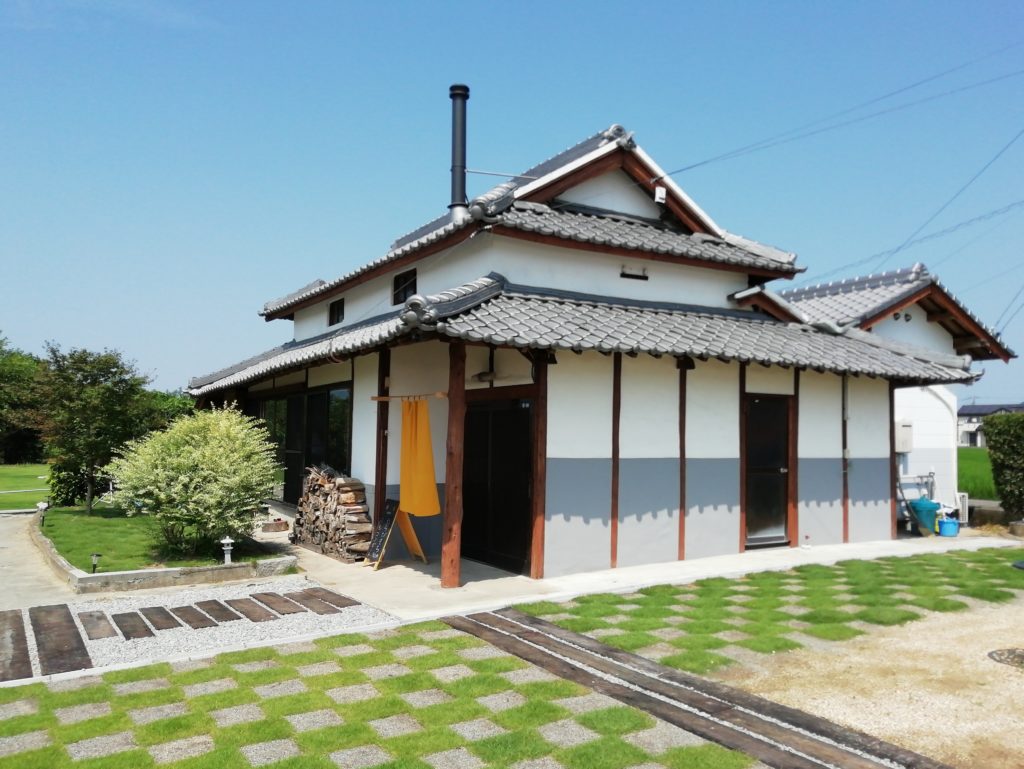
(418,491)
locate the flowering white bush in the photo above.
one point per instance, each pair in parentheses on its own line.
(201,479)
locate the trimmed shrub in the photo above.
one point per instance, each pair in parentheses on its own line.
(1004,434)
(202,478)
(67,485)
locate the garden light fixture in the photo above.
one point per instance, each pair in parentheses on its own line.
(95,560)
(226,543)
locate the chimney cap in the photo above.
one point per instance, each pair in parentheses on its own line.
(458,90)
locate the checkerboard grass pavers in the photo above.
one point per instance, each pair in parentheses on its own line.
(715,622)
(487,710)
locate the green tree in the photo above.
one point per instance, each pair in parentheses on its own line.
(90,406)
(201,479)
(19,440)
(160,408)
(1004,435)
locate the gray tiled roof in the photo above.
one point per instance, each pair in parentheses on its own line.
(608,229)
(855,299)
(491,311)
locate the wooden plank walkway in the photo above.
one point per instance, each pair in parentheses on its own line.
(132,625)
(159,618)
(218,611)
(278,603)
(312,603)
(192,617)
(96,625)
(14,660)
(251,610)
(329,596)
(58,641)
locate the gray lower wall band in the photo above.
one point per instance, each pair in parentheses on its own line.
(820,501)
(870,500)
(712,507)
(577,519)
(648,511)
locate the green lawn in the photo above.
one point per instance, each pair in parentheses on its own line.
(125,543)
(18,477)
(975,473)
(406,696)
(713,622)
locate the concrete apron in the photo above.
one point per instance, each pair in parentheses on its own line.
(412,590)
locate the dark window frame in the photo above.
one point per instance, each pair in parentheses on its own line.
(403,286)
(336,312)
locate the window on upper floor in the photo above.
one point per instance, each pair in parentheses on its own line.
(403,286)
(336,312)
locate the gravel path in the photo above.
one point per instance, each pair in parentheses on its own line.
(185,642)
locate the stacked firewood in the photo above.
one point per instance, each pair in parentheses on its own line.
(332,516)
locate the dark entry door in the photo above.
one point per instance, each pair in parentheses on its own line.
(294,448)
(767,469)
(497,483)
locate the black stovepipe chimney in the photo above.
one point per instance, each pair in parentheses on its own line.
(459,95)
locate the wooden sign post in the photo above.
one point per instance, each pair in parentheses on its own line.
(382,529)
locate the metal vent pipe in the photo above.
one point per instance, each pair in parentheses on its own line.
(459,95)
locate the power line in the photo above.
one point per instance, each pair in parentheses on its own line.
(768,143)
(989,279)
(1015,313)
(971,242)
(1008,306)
(957,194)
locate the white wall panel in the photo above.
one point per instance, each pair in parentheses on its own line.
(918,331)
(614,191)
(364,418)
(713,410)
(649,420)
(821,416)
(868,428)
(580,406)
(330,373)
(771,380)
(415,369)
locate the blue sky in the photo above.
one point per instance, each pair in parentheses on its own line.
(168,166)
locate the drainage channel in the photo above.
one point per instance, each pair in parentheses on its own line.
(781,737)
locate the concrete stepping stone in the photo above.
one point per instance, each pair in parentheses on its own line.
(329,596)
(218,611)
(567,733)
(319,669)
(354,693)
(459,758)
(74,684)
(278,603)
(426,698)
(361,758)
(280,689)
(496,703)
(395,726)
(18,708)
(15,663)
(78,713)
(408,652)
(132,625)
(312,603)
(251,610)
(440,635)
(160,618)
(204,688)
(548,763)
(586,703)
(353,650)
(60,645)
(317,719)
(254,666)
(179,750)
(299,647)
(187,666)
(239,714)
(530,675)
(141,716)
(450,673)
(481,653)
(192,617)
(97,747)
(477,729)
(263,753)
(139,687)
(663,737)
(22,743)
(379,672)
(96,625)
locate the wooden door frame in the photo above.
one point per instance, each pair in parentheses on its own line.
(792,459)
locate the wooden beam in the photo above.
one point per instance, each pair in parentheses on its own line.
(682,457)
(540,467)
(451,542)
(380,475)
(641,174)
(616,414)
(914,298)
(743,457)
(793,489)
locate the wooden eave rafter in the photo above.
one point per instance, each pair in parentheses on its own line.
(766,305)
(969,336)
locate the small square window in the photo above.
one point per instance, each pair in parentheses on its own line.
(403,286)
(336,312)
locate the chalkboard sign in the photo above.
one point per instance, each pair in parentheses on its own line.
(382,528)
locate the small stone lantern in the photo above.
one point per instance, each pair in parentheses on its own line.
(226,543)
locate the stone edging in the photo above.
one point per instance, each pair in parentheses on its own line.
(142,579)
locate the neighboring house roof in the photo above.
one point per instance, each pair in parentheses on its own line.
(492,311)
(975,410)
(863,301)
(507,206)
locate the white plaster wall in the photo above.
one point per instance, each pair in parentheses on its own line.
(820,428)
(364,418)
(419,368)
(614,191)
(918,331)
(772,380)
(649,417)
(295,377)
(330,373)
(713,411)
(868,428)
(510,367)
(580,406)
(362,303)
(932,410)
(266,384)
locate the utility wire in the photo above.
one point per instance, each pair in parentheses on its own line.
(767,144)
(1015,313)
(989,279)
(1008,306)
(957,194)
(972,241)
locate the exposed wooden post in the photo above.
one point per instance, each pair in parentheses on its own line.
(743,457)
(540,466)
(616,413)
(793,460)
(380,476)
(846,458)
(451,543)
(684,364)
(893,470)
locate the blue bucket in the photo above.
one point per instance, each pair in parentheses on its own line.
(949,527)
